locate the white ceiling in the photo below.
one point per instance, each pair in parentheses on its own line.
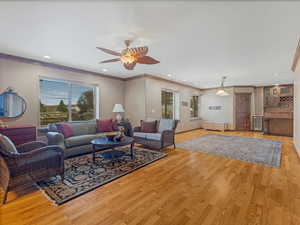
(252,43)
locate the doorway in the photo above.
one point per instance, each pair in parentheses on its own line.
(243,111)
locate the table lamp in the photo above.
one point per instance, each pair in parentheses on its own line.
(118,108)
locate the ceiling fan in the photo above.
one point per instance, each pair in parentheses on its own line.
(130,56)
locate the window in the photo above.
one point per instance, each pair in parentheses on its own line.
(170,104)
(65,101)
(167,102)
(195,106)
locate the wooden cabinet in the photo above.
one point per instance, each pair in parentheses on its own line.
(20,135)
(278,110)
(286,91)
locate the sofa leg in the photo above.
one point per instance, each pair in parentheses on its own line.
(5,196)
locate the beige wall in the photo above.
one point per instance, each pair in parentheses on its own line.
(24,78)
(135,108)
(225,115)
(143,100)
(297,111)
(153,102)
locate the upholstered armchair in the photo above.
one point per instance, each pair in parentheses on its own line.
(163,137)
(28,163)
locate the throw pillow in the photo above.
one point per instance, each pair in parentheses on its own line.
(7,144)
(65,129)
(104,126)
(148,127)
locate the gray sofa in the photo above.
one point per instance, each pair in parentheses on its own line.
(79,143)
(164,136)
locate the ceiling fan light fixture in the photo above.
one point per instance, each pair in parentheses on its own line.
(129,57)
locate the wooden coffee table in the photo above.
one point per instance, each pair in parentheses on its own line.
(105,143)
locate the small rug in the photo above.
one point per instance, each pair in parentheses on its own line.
(82,175)
(260,151)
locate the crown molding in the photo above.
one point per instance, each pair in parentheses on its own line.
(161,79)
(54,65)
(76,70)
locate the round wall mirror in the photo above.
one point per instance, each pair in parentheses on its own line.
(11,104)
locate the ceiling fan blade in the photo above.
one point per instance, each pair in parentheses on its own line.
(109,51)
(147,60)
(129,66)
(110,60)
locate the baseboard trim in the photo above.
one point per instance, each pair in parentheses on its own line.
(184,131)
(297,149)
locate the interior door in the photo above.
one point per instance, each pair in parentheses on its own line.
(243,111)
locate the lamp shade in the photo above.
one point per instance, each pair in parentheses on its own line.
(118,108)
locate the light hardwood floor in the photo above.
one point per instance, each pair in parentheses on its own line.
(184,188)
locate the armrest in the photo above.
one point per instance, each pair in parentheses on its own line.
(48,155)
(55,138)
(167,133)
(30,146)
(137,129)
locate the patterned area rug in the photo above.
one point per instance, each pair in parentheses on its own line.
(82,175)
(260,151)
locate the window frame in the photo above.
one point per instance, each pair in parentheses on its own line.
(191,109)
(175,106)
(96,97)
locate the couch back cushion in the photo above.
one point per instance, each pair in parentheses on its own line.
(149,126)
(104,125)
(83,128)
(166,124)
(7,145)
(65,129)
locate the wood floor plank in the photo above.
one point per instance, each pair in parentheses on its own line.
(184,188)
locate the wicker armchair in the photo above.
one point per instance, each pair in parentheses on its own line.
(33,162)
(163,138)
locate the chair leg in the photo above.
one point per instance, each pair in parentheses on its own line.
(62,176)
(5,196)
(174,145)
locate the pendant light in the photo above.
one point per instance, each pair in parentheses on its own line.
(221,91)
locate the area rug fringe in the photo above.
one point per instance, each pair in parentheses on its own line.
(46,195)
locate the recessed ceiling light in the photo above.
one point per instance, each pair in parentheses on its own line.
(104,70)
(184,80)
(47,57)
(169,75)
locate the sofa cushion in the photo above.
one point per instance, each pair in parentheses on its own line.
(83,128)
(7,145)
(139,134)
(148,127)
(166,124)
(65,129)
(104,125)
(153,136)
(79,140)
